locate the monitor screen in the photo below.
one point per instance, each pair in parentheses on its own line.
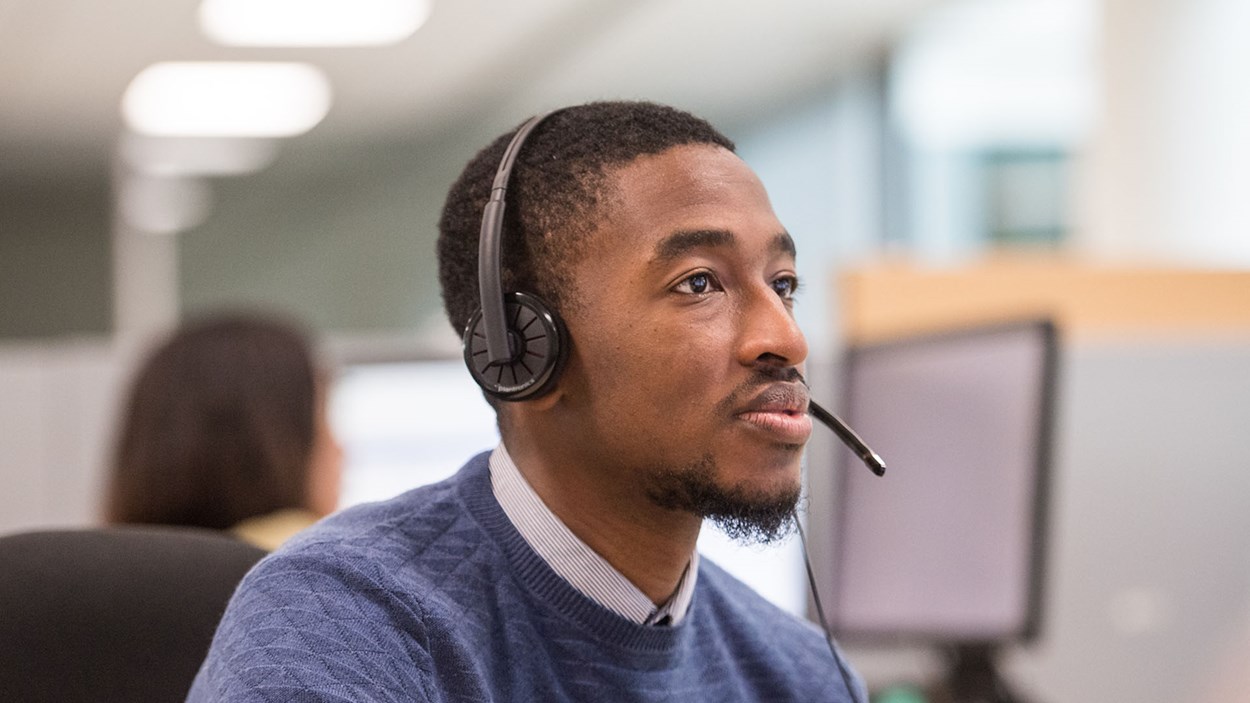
(947,545)
(405,424)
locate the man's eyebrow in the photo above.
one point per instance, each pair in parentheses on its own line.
(784,243)
(679,243)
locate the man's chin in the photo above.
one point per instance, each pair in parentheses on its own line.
(761,523)
(745,511)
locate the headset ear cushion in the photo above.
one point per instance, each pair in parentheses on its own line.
(539,344)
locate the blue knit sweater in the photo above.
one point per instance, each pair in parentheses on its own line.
(434,596)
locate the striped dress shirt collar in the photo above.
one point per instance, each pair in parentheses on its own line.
(573,559)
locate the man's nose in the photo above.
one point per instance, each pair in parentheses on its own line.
(770,333)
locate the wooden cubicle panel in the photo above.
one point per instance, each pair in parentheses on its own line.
(1086,300)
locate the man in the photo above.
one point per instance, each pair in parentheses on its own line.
(562,565)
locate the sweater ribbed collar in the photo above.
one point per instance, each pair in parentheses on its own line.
(549,588)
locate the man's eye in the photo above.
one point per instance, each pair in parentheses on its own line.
(698,284)
(786,287)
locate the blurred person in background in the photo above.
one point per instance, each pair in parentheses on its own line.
(225,428)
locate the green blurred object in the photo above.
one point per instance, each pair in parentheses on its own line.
(900,693)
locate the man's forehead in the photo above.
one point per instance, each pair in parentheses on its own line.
(691,195)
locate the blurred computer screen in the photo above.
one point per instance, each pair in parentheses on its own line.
(947,547)
(406,424)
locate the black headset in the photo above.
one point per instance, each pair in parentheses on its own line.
(515,344)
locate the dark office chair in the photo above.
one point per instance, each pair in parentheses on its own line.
(114,614)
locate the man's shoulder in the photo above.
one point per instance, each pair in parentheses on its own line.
(356,600)
(791,649)
(735,605)
(388,537)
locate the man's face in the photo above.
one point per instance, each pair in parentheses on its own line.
(683,376)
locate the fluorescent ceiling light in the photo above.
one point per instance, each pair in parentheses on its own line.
(311,22)
(196,156)
(226,99)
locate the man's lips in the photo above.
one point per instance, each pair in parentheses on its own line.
(780,409)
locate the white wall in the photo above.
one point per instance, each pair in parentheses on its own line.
(1170,159)
(58,404)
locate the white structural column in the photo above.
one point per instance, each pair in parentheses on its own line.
(145,283)
(1169,169)
(145,274)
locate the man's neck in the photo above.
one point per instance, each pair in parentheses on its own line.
(649,545)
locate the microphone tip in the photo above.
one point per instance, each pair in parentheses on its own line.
(876,463)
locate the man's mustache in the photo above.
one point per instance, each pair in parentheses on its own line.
(761,376)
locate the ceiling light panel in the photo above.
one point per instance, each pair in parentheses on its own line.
(311,22)
(226,99)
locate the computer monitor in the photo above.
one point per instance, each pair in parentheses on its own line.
(406,423)
(947,548)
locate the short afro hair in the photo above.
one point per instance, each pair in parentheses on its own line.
(558,181)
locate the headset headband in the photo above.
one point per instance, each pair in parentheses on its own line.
(490,255)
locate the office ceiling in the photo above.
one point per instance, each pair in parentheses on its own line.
(64,65)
